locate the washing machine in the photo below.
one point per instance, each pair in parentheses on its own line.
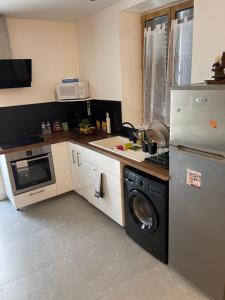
(146,212)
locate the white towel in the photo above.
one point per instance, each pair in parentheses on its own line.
(99,193)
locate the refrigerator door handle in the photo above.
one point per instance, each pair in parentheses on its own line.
(201,153)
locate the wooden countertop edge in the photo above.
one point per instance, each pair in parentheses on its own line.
(149,168)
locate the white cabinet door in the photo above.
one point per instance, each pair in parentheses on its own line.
(60,154)
(85,167)
(73,164)
(76,165)
(112,202)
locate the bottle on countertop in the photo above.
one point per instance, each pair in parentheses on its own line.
(108,123)
(104,127)
(48,127)
(141,134)
(43,128)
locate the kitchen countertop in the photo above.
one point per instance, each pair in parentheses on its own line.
(77,138)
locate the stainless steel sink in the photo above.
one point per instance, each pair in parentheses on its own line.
(111,143)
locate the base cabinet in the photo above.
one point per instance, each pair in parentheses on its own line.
(76,166)
(60,155)
(112,202)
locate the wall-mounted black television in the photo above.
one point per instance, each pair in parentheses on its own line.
(15,73)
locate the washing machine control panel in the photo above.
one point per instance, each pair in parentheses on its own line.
(155,189)
(144,183)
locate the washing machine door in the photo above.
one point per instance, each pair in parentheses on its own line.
(142,211)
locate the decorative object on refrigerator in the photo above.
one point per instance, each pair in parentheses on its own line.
(108,123)
(218,69)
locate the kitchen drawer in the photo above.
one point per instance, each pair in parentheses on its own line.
(34,196)
(104,162)
(110,181)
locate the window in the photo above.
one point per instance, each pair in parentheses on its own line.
(167,57)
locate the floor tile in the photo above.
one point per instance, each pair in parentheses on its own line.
(65,249)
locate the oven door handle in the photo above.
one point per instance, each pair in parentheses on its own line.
(33,159)
(36,193)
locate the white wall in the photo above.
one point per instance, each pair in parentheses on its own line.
(52,47)
(99,53)
(131,67)
(111,65)
(98,44)
(209,41)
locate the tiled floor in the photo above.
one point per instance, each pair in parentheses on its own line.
(64,248)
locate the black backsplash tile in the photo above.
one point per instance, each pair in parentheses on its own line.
(24,120)
(101,107)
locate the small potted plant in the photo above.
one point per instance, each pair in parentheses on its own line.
(85,126)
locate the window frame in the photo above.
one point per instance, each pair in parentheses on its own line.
(180,6)
(169,10)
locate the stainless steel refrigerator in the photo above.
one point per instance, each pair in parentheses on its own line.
(197,186)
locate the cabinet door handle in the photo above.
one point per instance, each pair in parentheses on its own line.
(78,159)
(35,193)
(73,157)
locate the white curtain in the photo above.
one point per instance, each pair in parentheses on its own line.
(159,73)
(179,57)
(155,60)
(181,35)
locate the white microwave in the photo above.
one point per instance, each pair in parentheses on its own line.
(72,90)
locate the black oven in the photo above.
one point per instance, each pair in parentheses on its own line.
(30,169)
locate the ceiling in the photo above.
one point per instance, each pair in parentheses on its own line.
(62,10)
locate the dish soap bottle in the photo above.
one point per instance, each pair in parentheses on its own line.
(108,123)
